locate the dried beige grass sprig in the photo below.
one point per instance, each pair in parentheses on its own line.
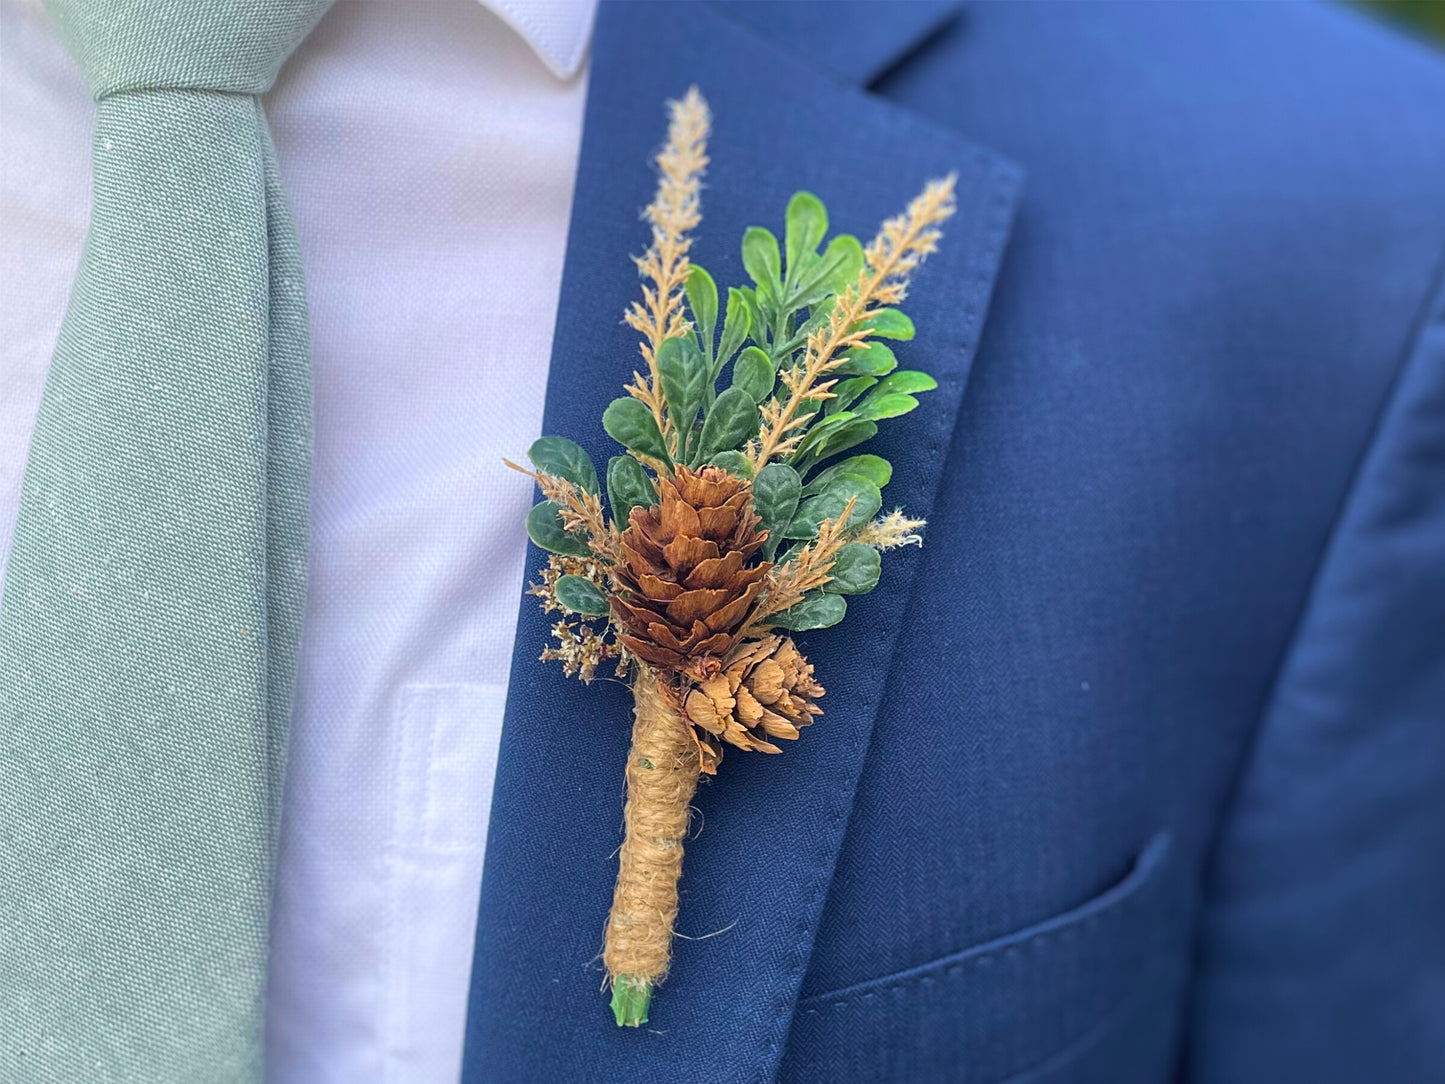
(673,214)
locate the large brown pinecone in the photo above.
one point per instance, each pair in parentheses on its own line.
(683,591)
(766,690)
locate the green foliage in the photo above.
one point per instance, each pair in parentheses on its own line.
(762,261)
(889,324)
(877,407)
(776,490)
(817,610)
(855,570)
(732,420)
(702,303)
(736,325)
(869,468)
(908,382)
(871,359)
(790,299)
(753,372)
(544,527)
(841,264)
(807,225)
(831,436)
(761,332)
(829,505)
(701,293)
(565,459)
(846,391)
(734,463)
(581,596)
(628,487)
(631,424)
(684,375)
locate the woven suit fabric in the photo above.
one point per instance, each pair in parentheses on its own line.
(153,600)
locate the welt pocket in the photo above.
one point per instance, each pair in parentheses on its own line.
(998,1009)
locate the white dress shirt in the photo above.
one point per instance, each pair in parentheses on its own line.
(429,151)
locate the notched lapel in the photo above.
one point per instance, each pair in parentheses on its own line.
(768,827)
(853,42)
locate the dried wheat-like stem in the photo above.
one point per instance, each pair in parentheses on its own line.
(674,211)
(788,582)
(892,531)
(580,511)
(901,245)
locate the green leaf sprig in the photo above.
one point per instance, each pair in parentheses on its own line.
(799,370)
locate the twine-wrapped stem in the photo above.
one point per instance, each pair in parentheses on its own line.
(662,773)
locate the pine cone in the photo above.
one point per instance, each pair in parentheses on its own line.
(766,689)
(682,591)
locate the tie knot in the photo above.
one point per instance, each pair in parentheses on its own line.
(225,45)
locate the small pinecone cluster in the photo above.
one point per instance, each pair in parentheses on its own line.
(765,690)
(683,591)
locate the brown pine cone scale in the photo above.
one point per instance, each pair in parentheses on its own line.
(684,589)
(765,690)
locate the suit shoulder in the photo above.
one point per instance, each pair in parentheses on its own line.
(1222,75)
(1295,151)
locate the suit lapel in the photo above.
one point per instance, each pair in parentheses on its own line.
(769,826)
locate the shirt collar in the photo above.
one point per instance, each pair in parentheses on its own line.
(557,30)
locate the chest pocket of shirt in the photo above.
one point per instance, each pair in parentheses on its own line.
(446,758)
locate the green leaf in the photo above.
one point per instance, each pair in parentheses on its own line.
(730,422)
(871,359)
(889,324)
(736,325)
(775,498)
(817,316)
(631,424)
(565,459)
(757,325)
(820,431)
(581,596)
(684,374)
(846,391)
(734,463)
(761,259)
(907,382)
(877,407)
(842,262)
(544,527)
(839,440)
(807,225)
(829,504)
(628,487)
(753,373)
(855,570)
(870,468)
(834,271)
(702,301)
(817,610)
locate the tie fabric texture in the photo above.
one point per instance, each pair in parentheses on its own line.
(152,606)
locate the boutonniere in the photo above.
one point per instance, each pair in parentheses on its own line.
(732,520)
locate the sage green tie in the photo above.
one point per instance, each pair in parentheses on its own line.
(153,599)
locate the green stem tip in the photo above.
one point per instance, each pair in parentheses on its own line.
(631,995)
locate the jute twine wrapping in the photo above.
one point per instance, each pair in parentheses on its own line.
(662,773)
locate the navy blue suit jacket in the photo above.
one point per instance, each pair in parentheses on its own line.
(1136,772)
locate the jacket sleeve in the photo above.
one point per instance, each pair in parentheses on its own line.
(1322,945)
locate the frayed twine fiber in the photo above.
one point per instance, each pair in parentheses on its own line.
(662,774)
